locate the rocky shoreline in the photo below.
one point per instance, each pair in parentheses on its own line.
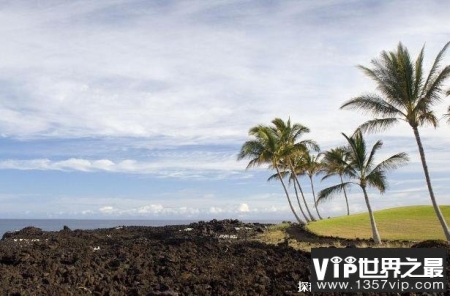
(203,258)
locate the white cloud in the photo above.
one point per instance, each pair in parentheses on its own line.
(154,209)
(105,210)
(215,210)
(176,167)
(243,208)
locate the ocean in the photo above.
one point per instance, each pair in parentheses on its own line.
(58,224)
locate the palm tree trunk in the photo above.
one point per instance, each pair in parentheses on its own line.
(304,200)
(301,192)
(314,196)
(299,204)
(287,195)
(430,188)
(345,195)
(375,234)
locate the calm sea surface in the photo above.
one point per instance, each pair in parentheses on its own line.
(58,224)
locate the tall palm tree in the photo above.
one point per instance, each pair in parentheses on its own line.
(293,149)
(365,173)
(312,167)
(266,148)
(404,95)
(334,162)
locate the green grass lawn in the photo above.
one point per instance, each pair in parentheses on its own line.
(414,223)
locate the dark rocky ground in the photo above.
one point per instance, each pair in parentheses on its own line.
(204,258)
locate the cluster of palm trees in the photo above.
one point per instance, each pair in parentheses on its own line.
(279,146)
(404,93)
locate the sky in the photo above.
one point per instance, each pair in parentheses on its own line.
(137,109)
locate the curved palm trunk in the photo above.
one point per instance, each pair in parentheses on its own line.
(287,196)
(304,200)
(345,195)
(430,188)
(299,204)
(375,234)
(314,196)
(301,192)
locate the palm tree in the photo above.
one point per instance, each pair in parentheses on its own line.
(364,173)
(312,167)
(293,149)
(266,148)
(334,162)
(404,95)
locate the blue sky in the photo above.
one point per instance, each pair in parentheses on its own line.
(137,109)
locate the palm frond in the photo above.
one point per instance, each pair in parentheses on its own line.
(434,87)
(249,149)
(261,149)
(393,162)
(377,146)
(381,74)
(434,69)
(328,193)
(298,130)
(277,177)
(310,145)
(377,179)
(378,124)
(357,155)
(334,160)
(372,104)
(405,72)
(418,80)
(428,118)
(328,175)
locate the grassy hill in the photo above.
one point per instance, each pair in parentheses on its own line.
(406,223)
